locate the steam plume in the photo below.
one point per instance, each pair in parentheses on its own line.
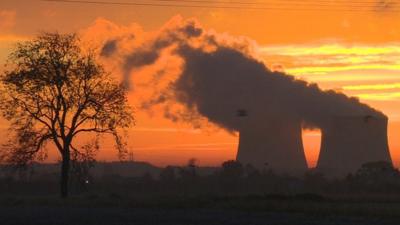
(219,75)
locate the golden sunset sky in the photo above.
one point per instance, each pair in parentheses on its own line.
(348,46)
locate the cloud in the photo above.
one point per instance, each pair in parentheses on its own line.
(194,146)
(387,96)
(320,59)
(386,5)
(109,48)
(356,76)
(166,129)
(323,70)
(331,49)
(219,83)
(375,92)
(197,73)
(7,19)
(372,87)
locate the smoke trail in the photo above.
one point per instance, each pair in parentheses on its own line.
(219,83)
(219,76)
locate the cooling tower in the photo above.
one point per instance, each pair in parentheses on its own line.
(273,144)
(349,142)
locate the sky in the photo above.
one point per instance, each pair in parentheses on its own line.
(348,46)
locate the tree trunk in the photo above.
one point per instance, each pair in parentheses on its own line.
(65,173)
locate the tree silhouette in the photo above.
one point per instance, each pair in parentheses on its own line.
(232,170)
(51,92)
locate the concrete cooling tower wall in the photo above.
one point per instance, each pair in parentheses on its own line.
(349,142)
(274,144)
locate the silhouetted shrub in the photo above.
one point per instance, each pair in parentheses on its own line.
(232,170)
(231,179)
(167,174)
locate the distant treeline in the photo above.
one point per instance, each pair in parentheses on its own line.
(232,178)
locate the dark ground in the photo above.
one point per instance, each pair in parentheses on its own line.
(254,210)
(184,196)
(125,216)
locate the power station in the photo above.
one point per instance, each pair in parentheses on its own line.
(225,82)
(346,143)
(274,144)
(350,141)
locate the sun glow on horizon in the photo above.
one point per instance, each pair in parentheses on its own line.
(354,53)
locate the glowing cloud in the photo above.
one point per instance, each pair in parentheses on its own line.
(214,76)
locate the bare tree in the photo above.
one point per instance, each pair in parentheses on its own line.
(51,92)
(81,162)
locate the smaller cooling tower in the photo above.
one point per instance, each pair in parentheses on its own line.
(349,142)
(273,144)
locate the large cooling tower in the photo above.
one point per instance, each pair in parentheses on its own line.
(273,144)
(349,142)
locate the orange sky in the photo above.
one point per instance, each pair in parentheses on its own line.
(351,47)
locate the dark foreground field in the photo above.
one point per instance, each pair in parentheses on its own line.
(127,216)
(232,194)
(249,210)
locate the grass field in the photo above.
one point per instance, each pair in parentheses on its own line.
(186,196)
(127,216)
(269,209)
